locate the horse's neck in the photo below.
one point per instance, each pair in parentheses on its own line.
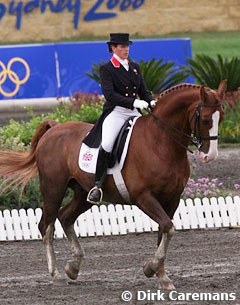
(172,112)
(173,108)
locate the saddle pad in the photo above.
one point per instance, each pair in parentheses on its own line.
(88,156)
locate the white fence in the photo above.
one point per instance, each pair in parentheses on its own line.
(122,219)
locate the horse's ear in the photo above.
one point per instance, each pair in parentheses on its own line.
(222,88)
(203,94)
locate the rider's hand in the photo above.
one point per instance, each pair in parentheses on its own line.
(141,104)
(153,103)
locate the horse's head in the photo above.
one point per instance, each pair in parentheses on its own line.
(205,120)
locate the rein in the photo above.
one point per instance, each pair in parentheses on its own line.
(194,138)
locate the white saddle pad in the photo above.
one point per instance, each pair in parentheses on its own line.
(88,156)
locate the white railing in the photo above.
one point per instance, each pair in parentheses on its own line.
(122,219)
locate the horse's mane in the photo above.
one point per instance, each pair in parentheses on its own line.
(176,88)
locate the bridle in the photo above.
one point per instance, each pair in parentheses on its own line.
(195,138)
(197,114)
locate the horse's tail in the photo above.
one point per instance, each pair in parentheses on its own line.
(17,168)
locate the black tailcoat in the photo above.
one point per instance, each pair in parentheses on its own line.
(120,88)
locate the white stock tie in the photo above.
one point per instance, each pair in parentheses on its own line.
(125,64)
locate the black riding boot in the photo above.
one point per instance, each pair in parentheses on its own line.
(95,194)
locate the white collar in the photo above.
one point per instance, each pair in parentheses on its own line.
(123,62)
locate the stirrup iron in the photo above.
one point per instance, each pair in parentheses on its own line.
(101,195)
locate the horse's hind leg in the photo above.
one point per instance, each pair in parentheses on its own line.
(51,259)
(52,203)
(67,216)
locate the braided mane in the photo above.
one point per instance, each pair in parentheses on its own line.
(176,88)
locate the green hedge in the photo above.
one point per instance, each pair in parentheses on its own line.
(230,126)
(18,135)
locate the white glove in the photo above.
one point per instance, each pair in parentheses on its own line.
(153,103)
(141,104)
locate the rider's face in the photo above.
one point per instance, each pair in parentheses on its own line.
(121,50)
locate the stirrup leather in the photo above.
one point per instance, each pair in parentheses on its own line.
(89,194)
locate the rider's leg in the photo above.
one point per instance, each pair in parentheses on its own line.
(110,130)
(95,194)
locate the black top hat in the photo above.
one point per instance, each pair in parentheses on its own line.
(119,38)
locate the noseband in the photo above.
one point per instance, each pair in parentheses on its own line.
(195,138)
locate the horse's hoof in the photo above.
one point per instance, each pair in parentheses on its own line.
(59,280)
(163,285)
(72,270)
(147,269)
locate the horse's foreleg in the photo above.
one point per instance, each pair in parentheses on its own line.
(156,264)
(164,280)
(152,207)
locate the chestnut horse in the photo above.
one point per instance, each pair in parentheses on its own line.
(156,168)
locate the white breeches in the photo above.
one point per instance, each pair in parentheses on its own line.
(113,124)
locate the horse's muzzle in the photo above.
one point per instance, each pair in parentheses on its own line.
(206,158)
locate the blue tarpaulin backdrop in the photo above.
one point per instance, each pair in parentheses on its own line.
(59,69)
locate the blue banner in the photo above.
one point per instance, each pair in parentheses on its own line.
(75,60)
(28,72)
(59,69)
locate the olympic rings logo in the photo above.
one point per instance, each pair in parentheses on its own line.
(7,72)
